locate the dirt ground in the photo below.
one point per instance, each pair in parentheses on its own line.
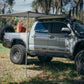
(58,71)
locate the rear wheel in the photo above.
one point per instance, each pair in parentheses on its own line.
(43,59)
(79,62)
(18,54)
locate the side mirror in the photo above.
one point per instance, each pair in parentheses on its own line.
(66,30)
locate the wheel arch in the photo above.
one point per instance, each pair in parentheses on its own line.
(18,41)
(78,47)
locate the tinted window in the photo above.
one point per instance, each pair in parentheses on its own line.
(79,27)
(50,27)
(57,27)
(41,28)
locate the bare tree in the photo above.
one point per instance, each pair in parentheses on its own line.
(42,5)
(10,5)
(6,4)
(78,8)
(45,6)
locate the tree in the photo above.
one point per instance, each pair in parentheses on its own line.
(0,6)
(42,6)
(7,4)
(78,9)
(10,5)
(45,6)
(4,3)
(55,6)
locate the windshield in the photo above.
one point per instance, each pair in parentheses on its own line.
(79,28)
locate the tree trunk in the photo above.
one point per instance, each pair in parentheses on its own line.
(59,6)
(3,9)
(81,9)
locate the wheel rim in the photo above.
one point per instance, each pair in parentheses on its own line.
(16,55)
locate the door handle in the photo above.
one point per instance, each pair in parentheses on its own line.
(51,37)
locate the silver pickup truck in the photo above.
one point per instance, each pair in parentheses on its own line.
(49,39)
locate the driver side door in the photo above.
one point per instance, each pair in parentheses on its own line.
(57,39)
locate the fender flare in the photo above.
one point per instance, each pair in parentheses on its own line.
(18,41)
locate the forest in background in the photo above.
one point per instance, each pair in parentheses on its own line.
(74,8)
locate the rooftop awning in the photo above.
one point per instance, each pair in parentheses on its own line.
(32,15)
(24,14)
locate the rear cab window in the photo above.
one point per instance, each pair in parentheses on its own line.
(41,28)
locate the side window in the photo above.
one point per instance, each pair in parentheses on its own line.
(57,27)
(41,28)
(77,27)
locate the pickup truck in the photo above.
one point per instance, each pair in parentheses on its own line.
(49,39)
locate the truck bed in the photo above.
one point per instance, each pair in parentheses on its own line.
(9,37)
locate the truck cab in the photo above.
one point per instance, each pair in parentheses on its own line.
(49,38)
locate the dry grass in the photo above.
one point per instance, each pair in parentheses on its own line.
(58,71)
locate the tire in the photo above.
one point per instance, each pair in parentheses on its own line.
(5,29)
(79,62)
(43,59)
(18,54)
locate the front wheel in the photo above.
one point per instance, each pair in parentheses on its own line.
(43,59)
(18,54)
(79,62)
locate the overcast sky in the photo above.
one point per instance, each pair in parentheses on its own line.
(21,5)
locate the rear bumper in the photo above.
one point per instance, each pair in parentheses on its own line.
(6,43)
